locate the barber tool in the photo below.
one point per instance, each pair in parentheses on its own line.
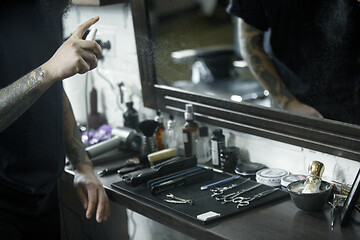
(246,201)
(108,171)
(185,178)
(220,190)
(151,173)
(122,138)
(229,197)
(148,128)
(160,156)
(171,176)
(226,180)
(157,160)
(130,169)
(177,200)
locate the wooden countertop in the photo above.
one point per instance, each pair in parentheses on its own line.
(281,220)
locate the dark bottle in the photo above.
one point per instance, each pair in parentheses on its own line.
(160,131)
(190,132)
(131,117)
(228,158)
(217,144)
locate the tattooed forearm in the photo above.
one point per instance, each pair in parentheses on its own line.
(74,147)
(16,98)
(251,46)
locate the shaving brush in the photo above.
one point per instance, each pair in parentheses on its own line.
(313,180)
(148,127)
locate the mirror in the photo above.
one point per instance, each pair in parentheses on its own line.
(194,49)
(337,138)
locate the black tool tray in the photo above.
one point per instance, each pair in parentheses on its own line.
(203,202)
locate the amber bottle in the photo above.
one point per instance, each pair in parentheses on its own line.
(160,131)
(190,132)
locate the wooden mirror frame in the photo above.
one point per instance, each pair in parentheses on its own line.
(336,138)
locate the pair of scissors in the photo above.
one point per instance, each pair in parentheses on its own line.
(217,191)
(245,201)
(229,197)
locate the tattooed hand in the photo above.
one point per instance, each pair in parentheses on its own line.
(75,55)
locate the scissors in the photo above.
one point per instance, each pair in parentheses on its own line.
(229,197)
(245,201)
(217,191)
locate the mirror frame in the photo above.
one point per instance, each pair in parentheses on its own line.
(324,135)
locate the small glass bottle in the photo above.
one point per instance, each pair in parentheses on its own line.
(131,117)
(217,144)
(160,131)
(203,152)
(190,132)
(171,136)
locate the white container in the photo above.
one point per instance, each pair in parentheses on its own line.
(271,176)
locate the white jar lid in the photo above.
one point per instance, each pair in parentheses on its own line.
(271,176)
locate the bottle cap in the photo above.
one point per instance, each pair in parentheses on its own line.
(203,131)
(218,132)
(159,118)
(129,104)
(171,122)
(189,111)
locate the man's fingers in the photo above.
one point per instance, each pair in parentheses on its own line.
(103,209)
(82,197)
(93,46)
(92,198)
(80,31)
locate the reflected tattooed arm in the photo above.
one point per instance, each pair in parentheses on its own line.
(252,50)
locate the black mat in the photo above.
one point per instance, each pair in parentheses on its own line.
(203,202)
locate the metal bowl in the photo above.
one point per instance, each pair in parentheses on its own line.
(309,201)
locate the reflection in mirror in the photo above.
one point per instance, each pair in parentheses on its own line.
(195,49)
(336,138)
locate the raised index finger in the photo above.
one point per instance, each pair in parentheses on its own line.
(80,31)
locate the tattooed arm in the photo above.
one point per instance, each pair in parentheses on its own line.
(251,46)
(74,56)
(16,98)
(90,191)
